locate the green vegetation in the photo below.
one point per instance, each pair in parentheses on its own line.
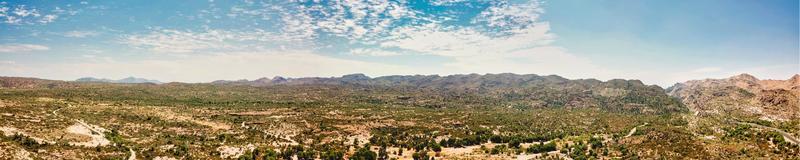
(581,119)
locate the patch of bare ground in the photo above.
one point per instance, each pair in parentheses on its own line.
(168,114)
(95,135)
(45,99)
(10,131)
(261,113)
(284,131)
(227,152)
(164,158)
(11,151)
(6,103)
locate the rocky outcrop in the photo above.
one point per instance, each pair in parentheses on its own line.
(744,93)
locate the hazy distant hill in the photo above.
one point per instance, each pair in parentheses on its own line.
(124,80)
(773,99)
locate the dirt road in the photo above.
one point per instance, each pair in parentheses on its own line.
(786,136)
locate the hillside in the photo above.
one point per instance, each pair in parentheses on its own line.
(492,116)
(23,82)
(525,91)
(742,94)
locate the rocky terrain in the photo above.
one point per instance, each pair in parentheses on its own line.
(742,94)
(529,90)
(492,116)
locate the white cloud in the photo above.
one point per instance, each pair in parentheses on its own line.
(446,2)
(372,52)
(521,30)
(506,37)
(48,18)
(178,41)
(22,14)
(81,34)
(21,11)
(16,48)
(508,16)
(523,45)
(356,20)
(437,40)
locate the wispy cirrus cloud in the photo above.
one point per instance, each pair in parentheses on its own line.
(21,48)
(81,34)
(188,41)
(372,52)
(360,20)
(23,14)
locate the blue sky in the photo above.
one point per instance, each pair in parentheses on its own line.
(659,42)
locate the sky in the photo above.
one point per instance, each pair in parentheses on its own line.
(658,42)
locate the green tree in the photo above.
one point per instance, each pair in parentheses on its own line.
(364,154)
(421,155)
(383,154)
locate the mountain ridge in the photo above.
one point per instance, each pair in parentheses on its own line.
(519,91)
(124,80)
(359,78)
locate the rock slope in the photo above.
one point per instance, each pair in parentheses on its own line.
(745,94)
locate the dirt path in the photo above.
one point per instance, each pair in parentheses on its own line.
(634,130)
(55,112)
(788,137)
(133,154)
(95,132)
(537,155)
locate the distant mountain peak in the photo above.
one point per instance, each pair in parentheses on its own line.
(262,79)
(124,80)
(744,77)
(278,79)
(355,76)
(795,79)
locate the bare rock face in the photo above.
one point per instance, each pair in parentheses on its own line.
(769,99)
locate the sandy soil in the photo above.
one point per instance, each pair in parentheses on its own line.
(96,133)
(234,152)
(169,115)
(164,158)
(634,130)
(260,113)
(10,131)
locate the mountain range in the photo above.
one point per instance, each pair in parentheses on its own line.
(528,90)
(741,94)
(124,80)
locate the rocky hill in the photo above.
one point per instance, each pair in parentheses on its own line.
(527,90)
(768,99)
(23,82)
